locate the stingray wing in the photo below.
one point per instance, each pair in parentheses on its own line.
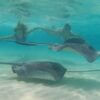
(85,50)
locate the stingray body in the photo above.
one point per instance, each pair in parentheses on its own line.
(76,44)
(26,70)
(20,34)
(79,46)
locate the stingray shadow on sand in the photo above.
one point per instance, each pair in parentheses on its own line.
(76,83)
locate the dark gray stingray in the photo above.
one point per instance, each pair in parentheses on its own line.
(20,35)
(81,47)
(25,70)
(77,44)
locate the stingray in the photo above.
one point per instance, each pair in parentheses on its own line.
(20,35)
(76,44)
(26,70)
(80,46)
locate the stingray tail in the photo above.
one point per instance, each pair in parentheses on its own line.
(10,63)
(6,37)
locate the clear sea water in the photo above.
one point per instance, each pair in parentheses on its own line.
(83,16)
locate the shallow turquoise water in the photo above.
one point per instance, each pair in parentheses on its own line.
(74,86)
(84,19)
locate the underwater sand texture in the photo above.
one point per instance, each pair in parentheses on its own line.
(84,16)
(74,86)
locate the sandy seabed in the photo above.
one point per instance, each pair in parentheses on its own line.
(74,86)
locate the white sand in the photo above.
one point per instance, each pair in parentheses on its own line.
(74,86)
